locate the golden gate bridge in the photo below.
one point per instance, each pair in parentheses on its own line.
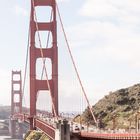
(55,127)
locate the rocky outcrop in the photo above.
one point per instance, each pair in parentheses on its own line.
(35,135)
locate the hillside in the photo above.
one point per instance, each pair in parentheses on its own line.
(119,109)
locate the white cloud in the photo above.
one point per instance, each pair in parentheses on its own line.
(104,39)
(62,0)
(20,10)
(97,8)
(109,7)
(126,11)
(113,32)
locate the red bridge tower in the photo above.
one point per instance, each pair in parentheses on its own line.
(52,53)
(16,91)
(16,102)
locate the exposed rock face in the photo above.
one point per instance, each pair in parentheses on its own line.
(119,109)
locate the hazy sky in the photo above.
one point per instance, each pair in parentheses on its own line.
(104,36)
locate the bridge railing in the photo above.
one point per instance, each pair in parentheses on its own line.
(112,136)
(45,127)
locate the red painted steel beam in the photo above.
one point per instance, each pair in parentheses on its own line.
(43,2)
(45,26)
(46,128)
(16,72)
(42,85)
(48,53)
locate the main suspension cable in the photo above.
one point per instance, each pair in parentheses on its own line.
(43,59)
(74,65)
(26,66)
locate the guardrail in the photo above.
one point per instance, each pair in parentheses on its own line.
(39,124)
(109,136)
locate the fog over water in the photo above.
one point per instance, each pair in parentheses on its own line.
(6,138)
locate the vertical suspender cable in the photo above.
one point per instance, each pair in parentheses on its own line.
(26,65)
(75,68)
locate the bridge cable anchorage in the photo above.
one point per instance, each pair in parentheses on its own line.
(44,60)
(74,65)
